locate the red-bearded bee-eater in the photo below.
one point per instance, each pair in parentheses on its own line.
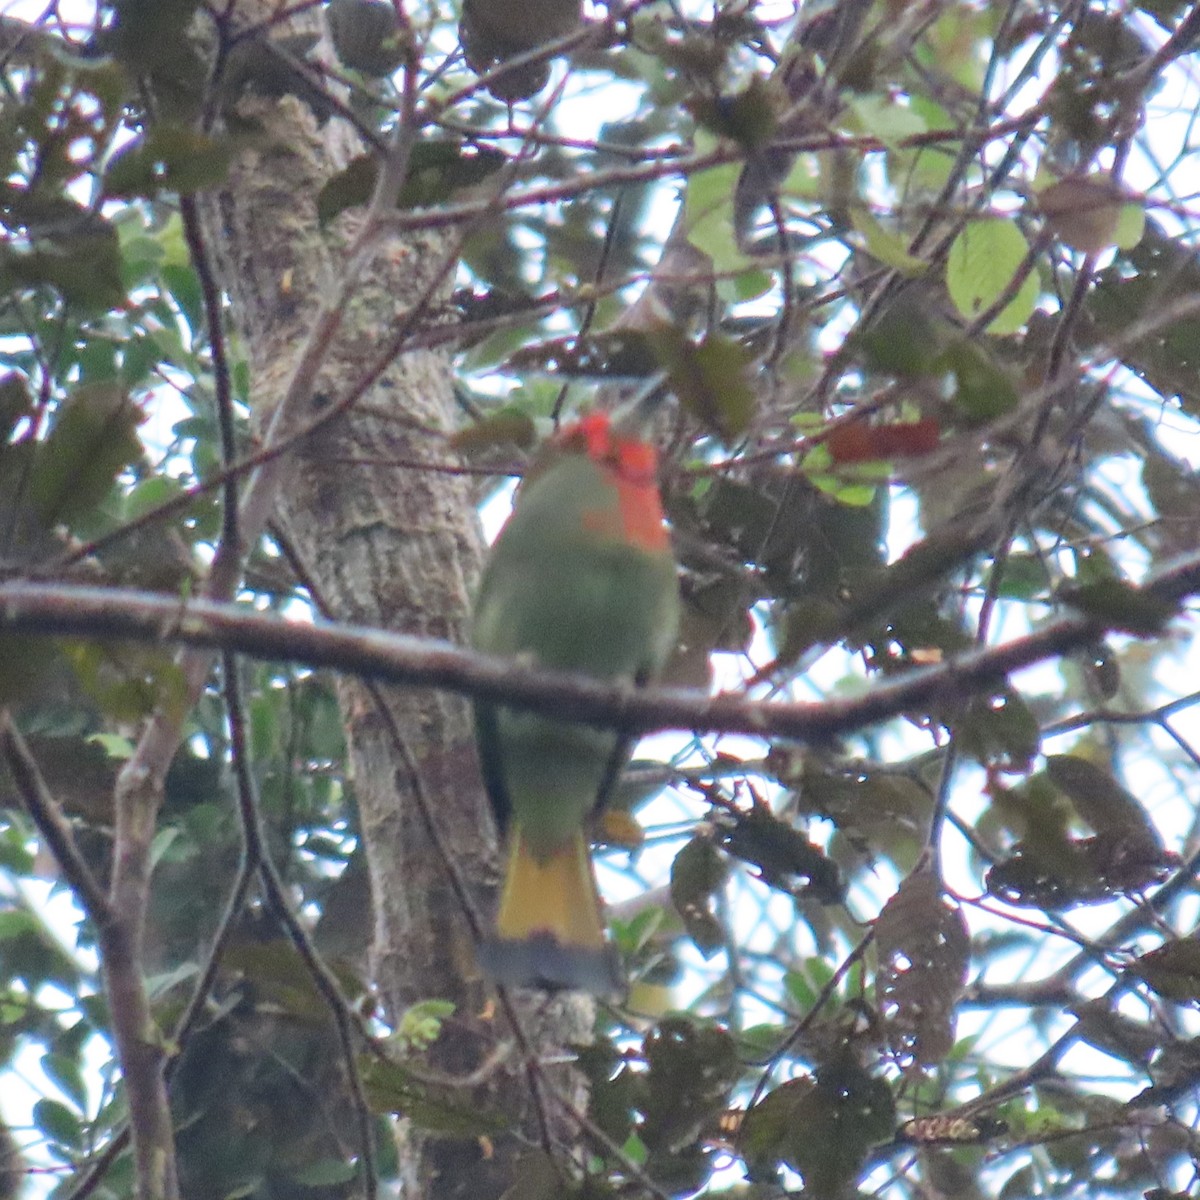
(580,579)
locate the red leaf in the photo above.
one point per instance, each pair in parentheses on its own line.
(859,442)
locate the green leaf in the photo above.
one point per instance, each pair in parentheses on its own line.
(421,1024)
(94,438)
(15,922)
(749,285)
(903,340)
(881,243)
(749,118)
(710,379)
(328,1172)
(883,117)
(15,855)
(1022,577)
(708,213)
(982,262)
(761,1043)
(157,986)
(65,1073)
(391,1088)
(983,390)
(80,258)
(167,157)
(1121,606)
(58,1123)
(184,285)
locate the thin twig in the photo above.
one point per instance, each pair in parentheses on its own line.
(50,822)
(275,894)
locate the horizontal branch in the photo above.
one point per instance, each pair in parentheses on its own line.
(48,609)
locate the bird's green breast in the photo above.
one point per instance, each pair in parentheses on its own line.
(564,589)
(561,589)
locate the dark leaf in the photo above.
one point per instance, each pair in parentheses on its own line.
(1143,283)
(698,872)
(1079,871)
(711,379)
(615,1091)
(1121,606)
(1173,970)
(1000,730)
(924,950)
(983,390)
(1100,800)
(14,403)
(883,807)
(535,1177)
(619,354)
(275,67)
(94,438)
(692,1067)
(58,1123)
(167,157)
(366,35)
(785,858)
(822,1128)
(436,170)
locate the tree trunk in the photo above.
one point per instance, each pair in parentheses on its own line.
(393,547)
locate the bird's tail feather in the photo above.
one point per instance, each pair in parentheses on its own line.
(550,932)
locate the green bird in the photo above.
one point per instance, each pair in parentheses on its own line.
(580,579)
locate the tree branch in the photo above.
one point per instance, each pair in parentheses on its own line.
(49,609)
(51,823)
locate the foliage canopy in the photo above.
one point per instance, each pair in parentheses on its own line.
(923,279)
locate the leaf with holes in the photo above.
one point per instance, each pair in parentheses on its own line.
(924,950)
(697,874)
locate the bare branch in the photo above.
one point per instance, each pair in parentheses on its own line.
(47,609)
(51,823)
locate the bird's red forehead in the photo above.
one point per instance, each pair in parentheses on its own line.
(634,460)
